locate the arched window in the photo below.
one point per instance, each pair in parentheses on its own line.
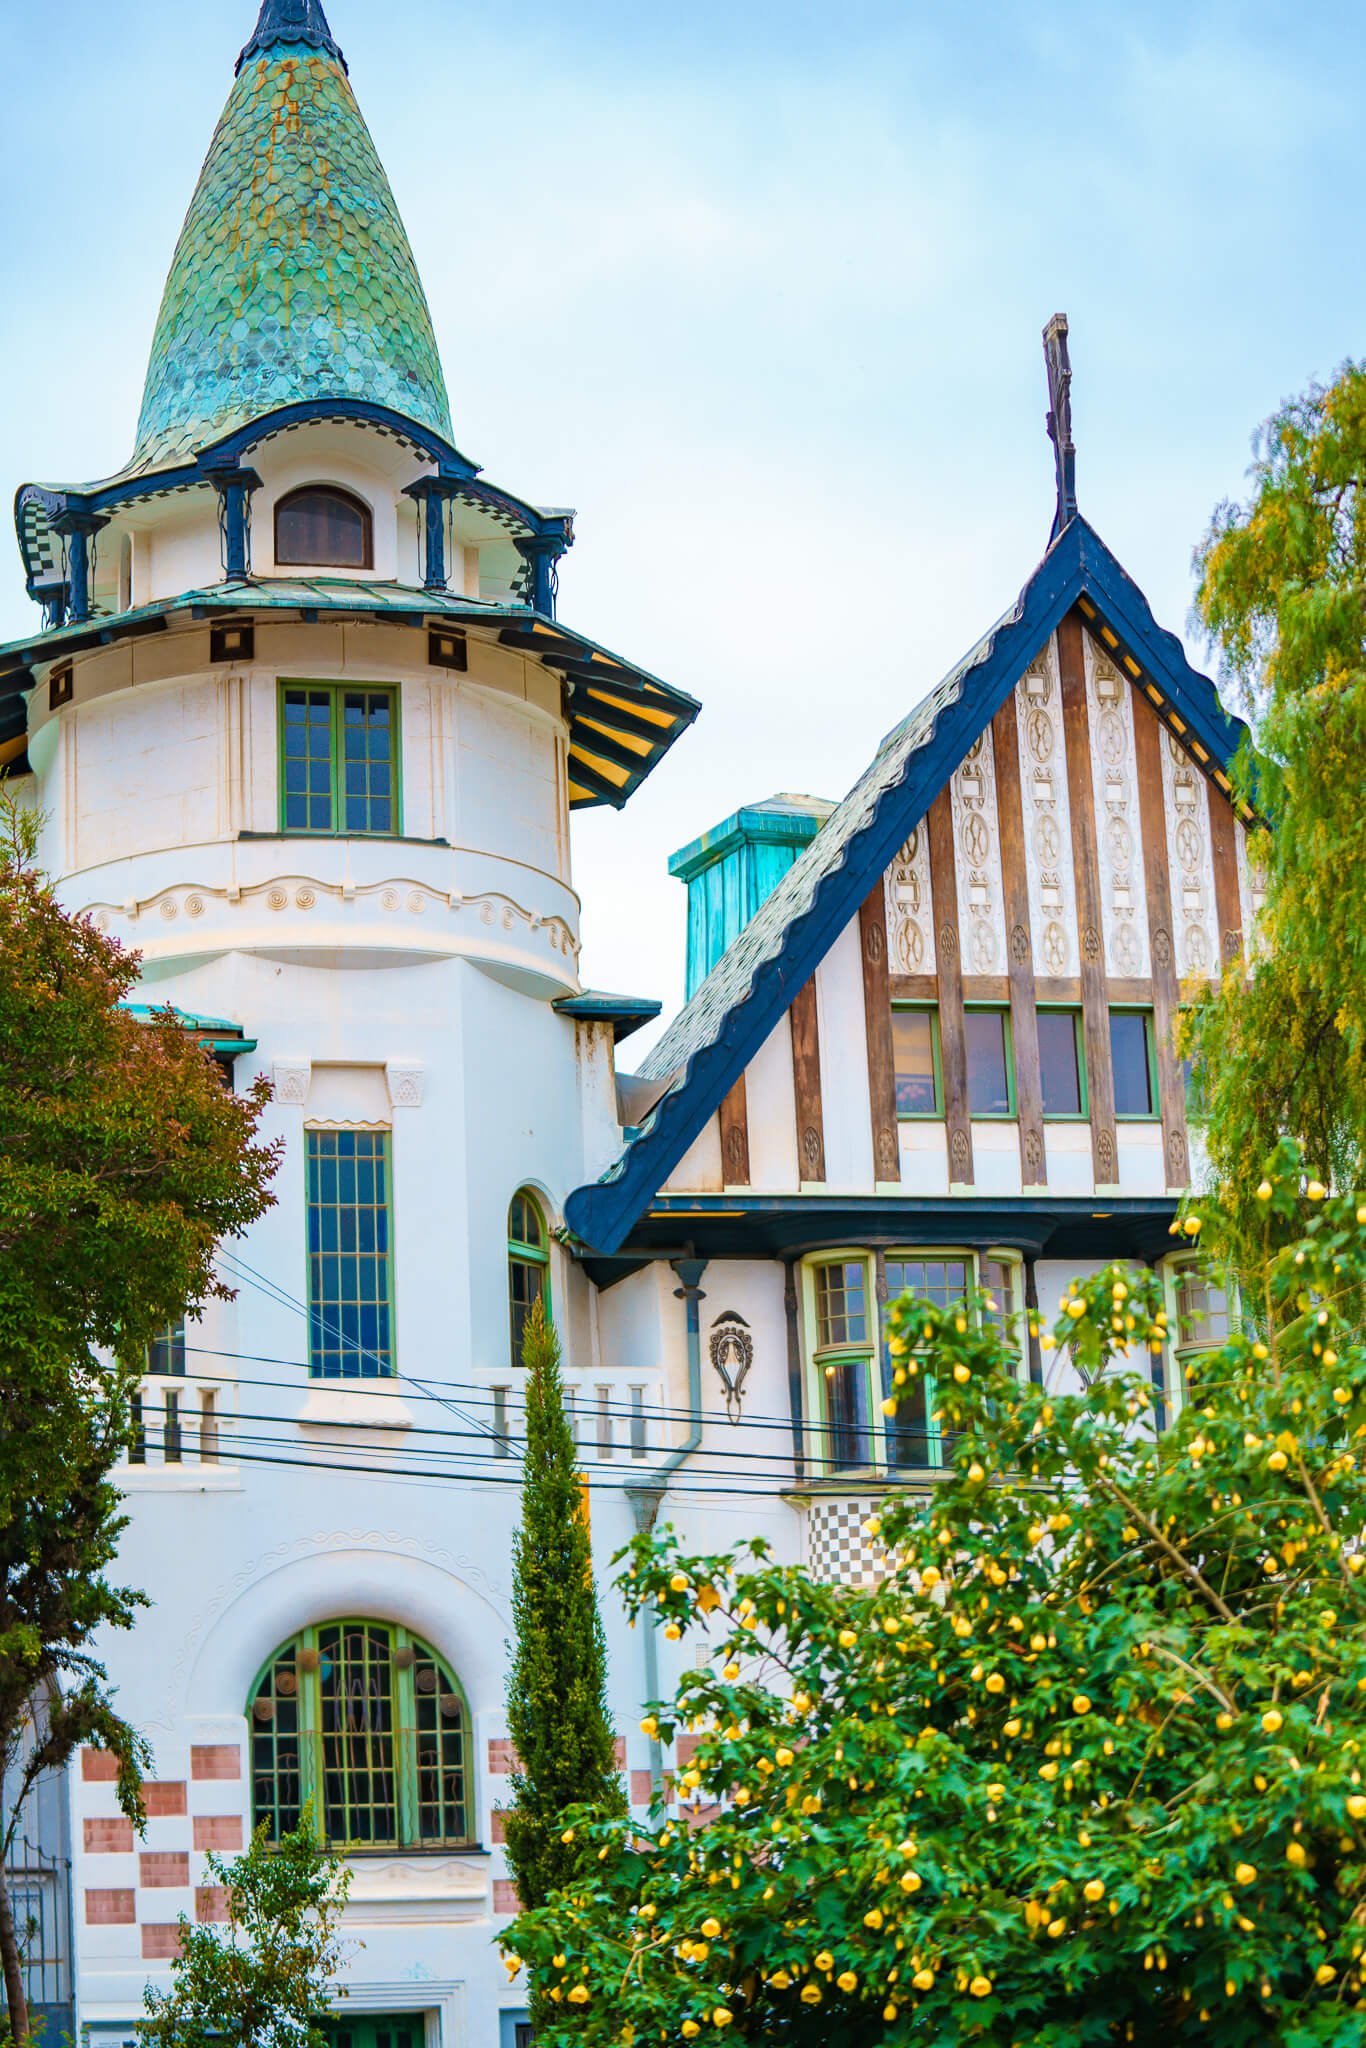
(323,527)
(368,1723)
(528,1263)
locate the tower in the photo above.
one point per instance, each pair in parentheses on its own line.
(305,729)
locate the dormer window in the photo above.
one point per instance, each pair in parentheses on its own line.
(323,527)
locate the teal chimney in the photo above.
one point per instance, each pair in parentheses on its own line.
(736,866)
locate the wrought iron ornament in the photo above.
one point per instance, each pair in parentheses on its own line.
(732,1354)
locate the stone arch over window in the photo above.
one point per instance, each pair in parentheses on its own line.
(322,526)
(528,1264)
(366,1721)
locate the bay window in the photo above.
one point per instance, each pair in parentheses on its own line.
(847,1296)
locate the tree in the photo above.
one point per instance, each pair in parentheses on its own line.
(1283,593)
(123,1162)
(557,1704)
(263,1978)
(1085,1766)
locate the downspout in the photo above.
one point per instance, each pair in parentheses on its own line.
(647,1498)
(1032,1322)
(794,1368)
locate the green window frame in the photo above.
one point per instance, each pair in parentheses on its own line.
(1083,1114)
(1153,1113)
(852,1434)
(367,1722)
(340,760)
(350,1253)
(1201,1316)
(1011,1110)
(528,1265)
(929,1011)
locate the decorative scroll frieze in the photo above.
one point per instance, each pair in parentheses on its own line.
(304,894)
(910,913)
(981,918)
(1047,815)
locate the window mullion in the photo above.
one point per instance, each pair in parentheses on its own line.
(338,778)
(405,1742)
(310,1734)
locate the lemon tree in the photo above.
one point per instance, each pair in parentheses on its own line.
(1086,1765)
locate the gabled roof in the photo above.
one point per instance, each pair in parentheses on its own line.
(713,1039)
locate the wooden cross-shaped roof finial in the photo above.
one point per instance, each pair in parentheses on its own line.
(1060,419)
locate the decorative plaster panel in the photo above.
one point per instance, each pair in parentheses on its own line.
(1047,816)
(910,911)
(1114,772)
(1186,797)
(981,897)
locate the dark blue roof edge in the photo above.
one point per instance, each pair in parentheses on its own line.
(1077,564)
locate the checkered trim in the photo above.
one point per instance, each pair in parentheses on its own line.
(836,1547)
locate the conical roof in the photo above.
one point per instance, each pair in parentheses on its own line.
(293,278)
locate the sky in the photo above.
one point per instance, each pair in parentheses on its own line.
(758,289)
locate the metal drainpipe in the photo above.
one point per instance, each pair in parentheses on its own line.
(646,1499)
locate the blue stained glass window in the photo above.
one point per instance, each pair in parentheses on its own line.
(350,1255)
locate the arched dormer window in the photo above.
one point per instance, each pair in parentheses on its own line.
(368,1723)
(528,1263)
(323,527)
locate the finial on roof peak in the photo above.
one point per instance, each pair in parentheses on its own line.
(1060,418)
(292,21)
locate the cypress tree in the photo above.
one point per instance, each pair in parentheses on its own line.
(557,1704)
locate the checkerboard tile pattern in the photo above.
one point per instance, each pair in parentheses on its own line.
(837,1549)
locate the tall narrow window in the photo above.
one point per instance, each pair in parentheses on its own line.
(989,1077)
(915,1050)
(208,1427)
(844,1357)
(1060,1062)
(1131,1056)
(606,1448)
(913,1438)
(528,1264)
(338,760)
(639,1445)
(502,1442)
(322,527)
(369,1724)
(350,1261)
(172,1441)
(137,1431)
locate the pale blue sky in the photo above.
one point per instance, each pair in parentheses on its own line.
(757,288)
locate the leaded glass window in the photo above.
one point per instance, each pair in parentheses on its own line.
(368,1723)
(528,1264)
(338,760)
(1131,1057)
(350,1255)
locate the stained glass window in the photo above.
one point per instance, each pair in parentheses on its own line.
(325,528)
(367,1722)
(350,1259)
(528,1264)
(338,760)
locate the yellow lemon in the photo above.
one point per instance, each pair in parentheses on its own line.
(874,1919)
(910,1881)
(847,1639)
(980,1987)
(1356,1806)
(1076,1309)
(1081,1705)
(1094,1891)
(1295,1853)
(923,1980)
(962,1374)
(1316,1191)
(711,1928)
(1324,1974)
(649,1726)
(579,1995)
(1265,1191)
(1246,1873)
(672,1632)
(1273,1721)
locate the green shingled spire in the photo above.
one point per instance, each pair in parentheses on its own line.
(292,278)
